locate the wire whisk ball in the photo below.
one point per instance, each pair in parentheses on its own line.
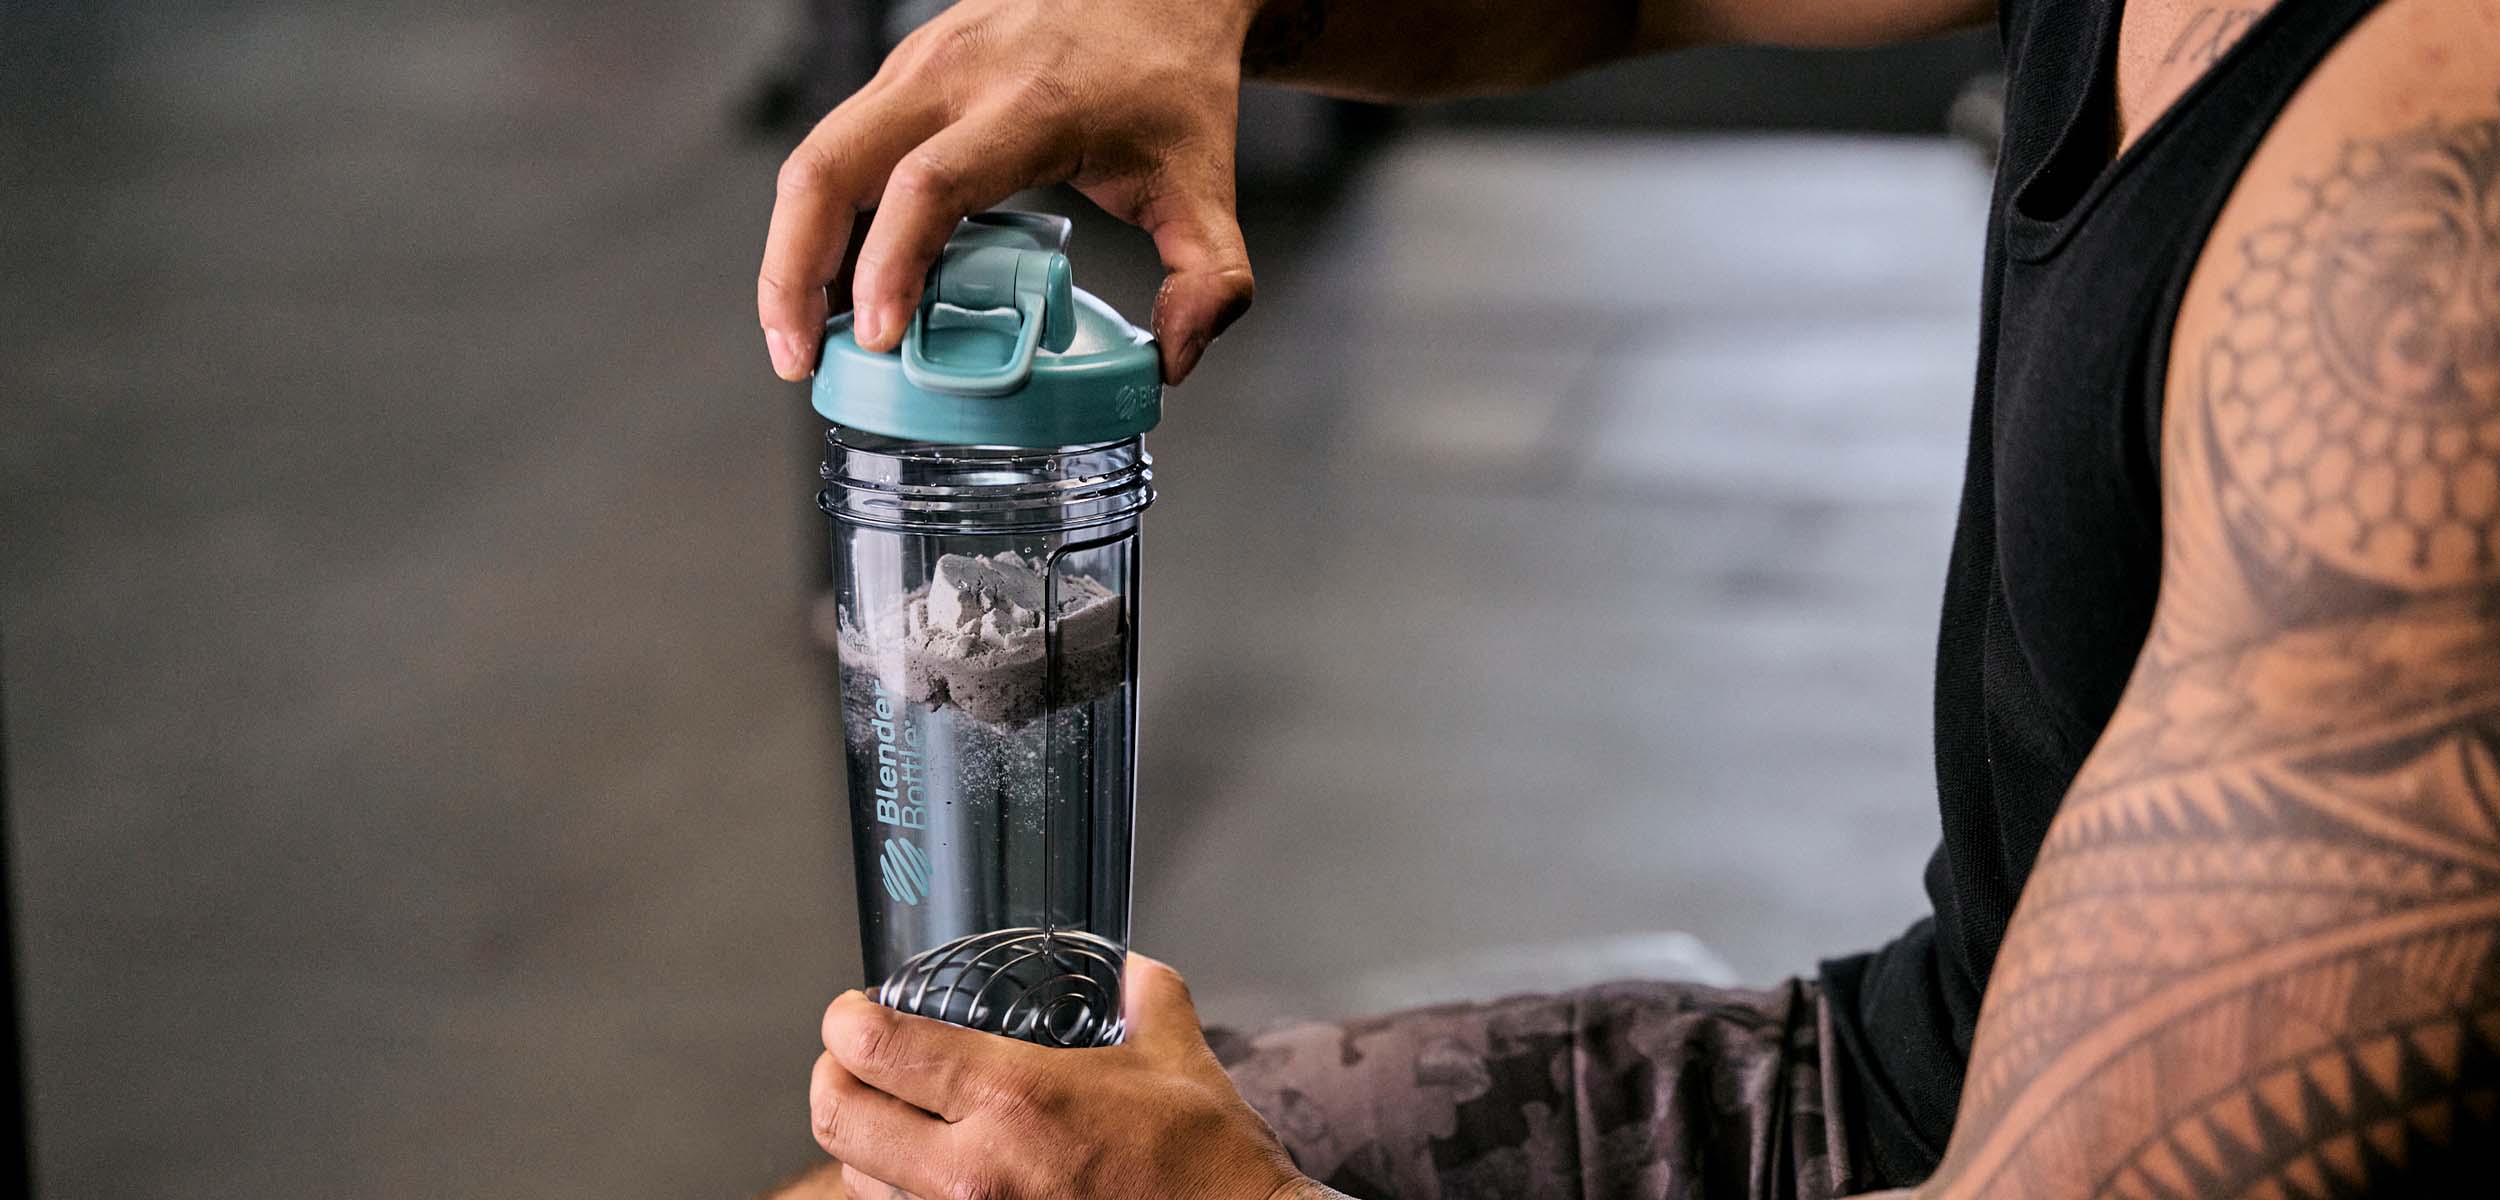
(1058,987)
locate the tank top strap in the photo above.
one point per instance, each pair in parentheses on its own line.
(2190,156)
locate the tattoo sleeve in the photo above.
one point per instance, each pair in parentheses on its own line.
(2259,954)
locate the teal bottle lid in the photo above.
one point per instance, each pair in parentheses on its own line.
(1003,351)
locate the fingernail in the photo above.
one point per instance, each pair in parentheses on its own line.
(777,344)
(1191,351)
(871,325)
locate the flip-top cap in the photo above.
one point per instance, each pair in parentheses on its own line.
(1002,351)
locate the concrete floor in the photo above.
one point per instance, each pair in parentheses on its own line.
(424,785)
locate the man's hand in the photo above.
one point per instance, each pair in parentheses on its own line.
(1133,101)
(934,1110)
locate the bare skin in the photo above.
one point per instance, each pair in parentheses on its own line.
(1134,102)
(2260,951)
(2256,956)
(912,1106)
(2166,45)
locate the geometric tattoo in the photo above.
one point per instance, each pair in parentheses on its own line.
(2259,953)
(2357,390)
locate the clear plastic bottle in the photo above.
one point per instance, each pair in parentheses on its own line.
(985,488)
(991,743)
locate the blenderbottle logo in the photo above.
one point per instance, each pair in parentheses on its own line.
(906,871)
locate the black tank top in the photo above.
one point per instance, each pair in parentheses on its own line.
(2050,590)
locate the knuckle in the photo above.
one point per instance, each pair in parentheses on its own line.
(944,47)
(1041,90)
(1013,1095)
(953,45)
(905,67)
(876,279)
(867,1038)
(911,53)
(972,1182)
(827,1119)
(802,174)
(771,284)
(924,178)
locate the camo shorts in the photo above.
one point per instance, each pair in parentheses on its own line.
(1655,1090)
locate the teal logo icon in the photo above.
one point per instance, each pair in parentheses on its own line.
(906,871)
(1133,399)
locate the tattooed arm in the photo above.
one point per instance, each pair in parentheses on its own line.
(2259,954)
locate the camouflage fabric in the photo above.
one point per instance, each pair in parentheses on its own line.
(1656,1090)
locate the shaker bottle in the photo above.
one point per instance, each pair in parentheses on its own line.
(985,486)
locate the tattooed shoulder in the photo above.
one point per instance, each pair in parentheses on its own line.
(2354,386)
(2259,954)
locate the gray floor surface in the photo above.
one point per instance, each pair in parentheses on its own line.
(424,784)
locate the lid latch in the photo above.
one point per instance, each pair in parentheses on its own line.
(999,293)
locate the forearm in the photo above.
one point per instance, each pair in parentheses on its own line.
(1392,50)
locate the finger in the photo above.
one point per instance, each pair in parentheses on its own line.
(967,167)
(946,1069)
(1208,285)
(1160,1014)
(837,172)
(869,1130)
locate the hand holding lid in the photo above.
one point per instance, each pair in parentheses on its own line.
(1133,103)
(1002,350)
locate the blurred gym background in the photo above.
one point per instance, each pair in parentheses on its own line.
(422,779)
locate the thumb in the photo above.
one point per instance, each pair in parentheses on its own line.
(1209,284)
(1159,1011)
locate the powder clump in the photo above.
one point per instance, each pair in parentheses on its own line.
(974,639)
